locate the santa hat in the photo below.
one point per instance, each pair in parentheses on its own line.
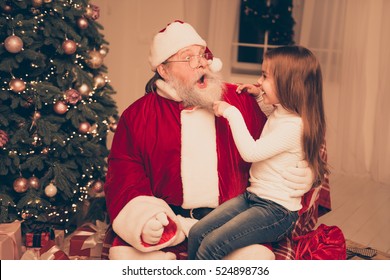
(174,37)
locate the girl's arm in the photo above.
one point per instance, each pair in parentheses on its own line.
(281,139)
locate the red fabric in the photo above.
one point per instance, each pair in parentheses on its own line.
(308,217)
(323,243)
(145,156)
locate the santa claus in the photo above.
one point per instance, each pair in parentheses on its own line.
(172,161)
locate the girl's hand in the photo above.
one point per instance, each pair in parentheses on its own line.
(250,88)
(219,107)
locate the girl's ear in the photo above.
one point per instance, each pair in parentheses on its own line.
(162,71)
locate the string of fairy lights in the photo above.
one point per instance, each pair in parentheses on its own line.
(71,99)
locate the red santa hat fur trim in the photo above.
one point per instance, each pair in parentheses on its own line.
(174,37)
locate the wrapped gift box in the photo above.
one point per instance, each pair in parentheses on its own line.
(49,252)
(10,241)
(38,239)
(87,240)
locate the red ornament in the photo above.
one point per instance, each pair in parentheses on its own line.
(60,107)
(20,185)
(69,46)
(17,85)
(72,96)
(92,12)
(84,127)
(33,182)
(13,44)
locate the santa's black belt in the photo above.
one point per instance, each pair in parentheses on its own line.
(195,213)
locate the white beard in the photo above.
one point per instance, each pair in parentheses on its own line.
(191,95)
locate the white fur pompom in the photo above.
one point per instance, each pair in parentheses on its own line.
(216,65)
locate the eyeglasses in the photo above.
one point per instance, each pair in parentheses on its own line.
(194,60)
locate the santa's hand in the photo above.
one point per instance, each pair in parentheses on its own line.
(299,179)
(154,228)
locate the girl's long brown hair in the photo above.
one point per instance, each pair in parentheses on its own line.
(298,81)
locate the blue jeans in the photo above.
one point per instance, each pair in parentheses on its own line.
(244,220)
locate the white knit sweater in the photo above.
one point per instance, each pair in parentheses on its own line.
(279,147)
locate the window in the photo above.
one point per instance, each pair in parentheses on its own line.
(264,24)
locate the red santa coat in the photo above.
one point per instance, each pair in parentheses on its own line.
(164,154)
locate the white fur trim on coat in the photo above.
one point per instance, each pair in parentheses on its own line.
(199,166)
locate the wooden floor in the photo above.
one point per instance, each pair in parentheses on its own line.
(361,208)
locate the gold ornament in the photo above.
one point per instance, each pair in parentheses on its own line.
(37,3)
(95,59)
(84,89)
(69,46)
(33,182)
(60,107)
(17,85)
(84,127)
(20,185)
(99,81)
(47,1)
(51,190)
(82,23)
(88,12)
(13,44)
(103,51)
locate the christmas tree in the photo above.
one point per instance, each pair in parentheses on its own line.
(56,110)
(264,22)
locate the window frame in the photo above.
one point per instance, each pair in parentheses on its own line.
(254,68)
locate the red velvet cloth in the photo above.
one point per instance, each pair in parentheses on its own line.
(323,243)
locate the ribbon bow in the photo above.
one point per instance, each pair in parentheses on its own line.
(94,237)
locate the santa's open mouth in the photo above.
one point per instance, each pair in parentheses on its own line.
(202,82)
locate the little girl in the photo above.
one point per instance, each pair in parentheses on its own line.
(291,81)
